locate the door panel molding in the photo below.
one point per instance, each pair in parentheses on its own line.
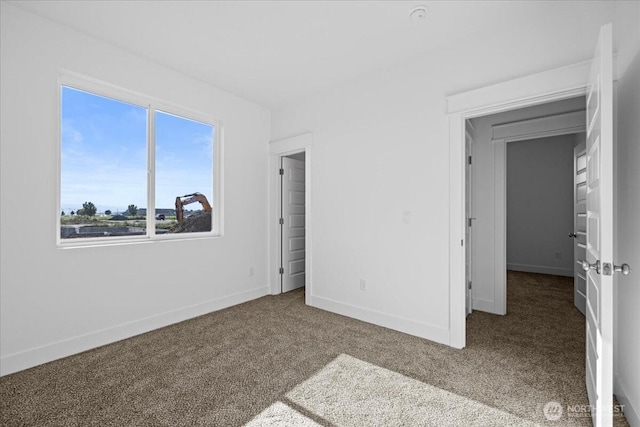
(579,224)
(293,227)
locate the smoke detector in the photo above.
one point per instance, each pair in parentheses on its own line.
(418,14)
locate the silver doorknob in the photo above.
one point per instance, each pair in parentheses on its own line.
(624,268)
(574,235)
(586,266)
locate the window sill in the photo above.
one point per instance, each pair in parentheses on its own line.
(93,243)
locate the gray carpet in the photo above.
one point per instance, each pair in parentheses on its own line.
(351,392)
(230,367)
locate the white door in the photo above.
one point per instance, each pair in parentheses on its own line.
(468,211)
(579,233)
(599,302)
(293,226)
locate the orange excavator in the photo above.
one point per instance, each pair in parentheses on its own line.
(190,198)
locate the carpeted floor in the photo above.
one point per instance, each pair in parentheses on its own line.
(228,367)
(351,392)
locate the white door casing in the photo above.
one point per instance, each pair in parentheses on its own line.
(547,86)
(470,218)
(579,233)
(561,83)
(293,224)
(599,251)
(278,149)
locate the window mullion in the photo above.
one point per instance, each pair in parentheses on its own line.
(151,173)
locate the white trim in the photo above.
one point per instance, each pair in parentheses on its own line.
(631,412)
(500,228)
(36,356)
(553,85)
(277,150)
(151,173)
(559,83)
(408,326)
(541,127)
(295,144)
(483,305)
(457,251)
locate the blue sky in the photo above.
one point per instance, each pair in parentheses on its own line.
(104,154)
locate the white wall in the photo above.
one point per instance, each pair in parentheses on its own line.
(486,296)
(627,288)
(55,302)
(540,205)
(381,148)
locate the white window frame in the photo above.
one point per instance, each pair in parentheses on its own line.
(152,105)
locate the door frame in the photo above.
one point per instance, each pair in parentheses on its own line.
(525,130)
(540,88)
(468,207)
(277,150)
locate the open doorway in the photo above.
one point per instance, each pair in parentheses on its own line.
(292,222)
(290,215)
(595,80)
(522,196)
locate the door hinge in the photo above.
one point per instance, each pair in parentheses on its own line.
(461,242)
(469,221)
(281,270)
(470,284)
(281,221)
(281,171)
(470,160)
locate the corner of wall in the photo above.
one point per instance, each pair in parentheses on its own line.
(626,338)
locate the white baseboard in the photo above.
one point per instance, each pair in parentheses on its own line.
(36,356)
(541,269)
(484,305)
(408,326)
(631,413)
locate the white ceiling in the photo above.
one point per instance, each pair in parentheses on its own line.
(277,52)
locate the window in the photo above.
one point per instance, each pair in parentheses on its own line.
(132,168)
